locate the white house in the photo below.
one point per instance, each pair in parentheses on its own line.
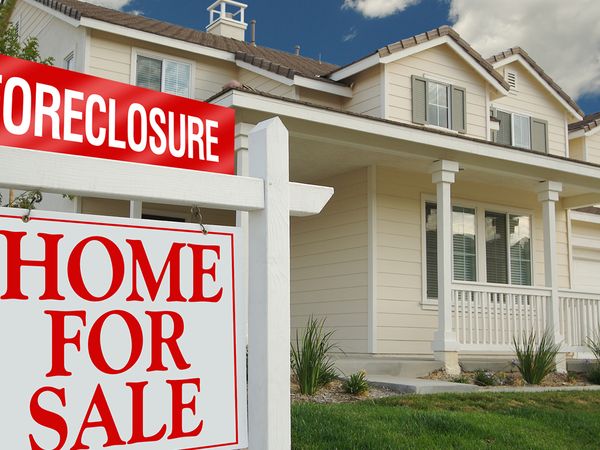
(455,223)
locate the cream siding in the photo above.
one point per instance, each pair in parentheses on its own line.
(404,325)
(319,98)
(329,262)
(366,98)
(532,99)
(265,84)
(441,64)
(593,147)
(577,148)
(111,57)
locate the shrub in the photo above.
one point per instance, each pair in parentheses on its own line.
(462,378)
(593,374)
(485,378)
(357,383)
(311,364)
(536,358)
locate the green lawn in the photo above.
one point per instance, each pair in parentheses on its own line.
(557,420)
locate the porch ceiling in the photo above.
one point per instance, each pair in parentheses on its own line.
(320,149)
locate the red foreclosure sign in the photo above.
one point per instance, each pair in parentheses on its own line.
(55,110)
(118,333)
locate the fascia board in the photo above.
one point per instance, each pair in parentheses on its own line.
(357,67)
(323,86)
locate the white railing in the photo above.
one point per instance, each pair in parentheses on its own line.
(579,314)
(487,317)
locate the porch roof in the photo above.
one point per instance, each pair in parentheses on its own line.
(326,141)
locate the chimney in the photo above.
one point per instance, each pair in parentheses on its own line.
(227,19)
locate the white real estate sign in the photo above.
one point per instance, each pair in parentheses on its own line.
(119,332)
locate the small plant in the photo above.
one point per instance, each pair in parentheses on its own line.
(357,383)
(462,378)
(311,364)
(536,358)
(593,374)
(485,378)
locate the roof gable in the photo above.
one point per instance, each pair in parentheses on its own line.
(420,42)
(520,55)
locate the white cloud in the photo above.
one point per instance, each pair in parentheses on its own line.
(563,37)
(352,33)
(113,4)
(378,8)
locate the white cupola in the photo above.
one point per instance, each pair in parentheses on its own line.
(227,19)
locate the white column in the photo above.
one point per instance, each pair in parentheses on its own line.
(548,194)
(269,300)
(445,344)
(135,209)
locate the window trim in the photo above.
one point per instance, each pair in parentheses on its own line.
(481,269)
(163,57)
(512,129)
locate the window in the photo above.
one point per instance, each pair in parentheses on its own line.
(508,248)
(163,75)
(69,61)
(463,246)
(521,131)
(438,104)
(507,244)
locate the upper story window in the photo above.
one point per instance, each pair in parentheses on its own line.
(439,104)
(164,75)
(521,131)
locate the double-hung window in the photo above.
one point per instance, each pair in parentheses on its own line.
(506,243)
(163,75)
(521,131)
(439,104)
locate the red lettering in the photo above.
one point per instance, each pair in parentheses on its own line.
(137,416)
(106,421)
(178,406)
(47,418)
(59,340)
(200,272)
(14,264)
(140,258)
(95,344)
(158,340)
(74,268)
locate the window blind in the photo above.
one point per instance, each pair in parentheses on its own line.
(464,244)
(148,73)
(177,78)
(496,247)
(520,250)
(431,249)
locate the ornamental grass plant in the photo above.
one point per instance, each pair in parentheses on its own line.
(593,373)
(357,383)
(310,353)
(536,357)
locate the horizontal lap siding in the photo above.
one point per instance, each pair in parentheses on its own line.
(366,93)
(319,98)
(440,63)
(264,84)
(532,99)
(593,147)
(577,149)
(403,326)
(329,262)
(110,57)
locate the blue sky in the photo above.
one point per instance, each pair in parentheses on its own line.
(341,35)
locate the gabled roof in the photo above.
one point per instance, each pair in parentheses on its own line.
(587,124)
(428,36)
(277,61)
(518,51)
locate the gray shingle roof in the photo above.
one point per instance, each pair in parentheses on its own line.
(276,61)
(519,51)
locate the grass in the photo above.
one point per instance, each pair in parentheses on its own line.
(549,420)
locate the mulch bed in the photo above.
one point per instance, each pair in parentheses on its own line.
(334,393)
(512,378)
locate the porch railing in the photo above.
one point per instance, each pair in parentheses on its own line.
(579,314)
(486,317)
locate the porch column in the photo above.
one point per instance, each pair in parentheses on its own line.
(548,194)
(445,344)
